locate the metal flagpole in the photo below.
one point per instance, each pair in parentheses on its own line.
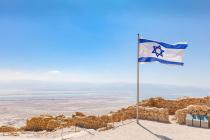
(137,101)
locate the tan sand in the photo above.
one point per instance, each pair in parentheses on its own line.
(127,131)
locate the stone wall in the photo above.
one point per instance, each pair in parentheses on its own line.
(181,116)
(154,114)
(174,105)
(191,109)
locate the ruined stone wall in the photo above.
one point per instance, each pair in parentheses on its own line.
(174,105)
(154,114)
(191,109)
(181,115)
(50,123)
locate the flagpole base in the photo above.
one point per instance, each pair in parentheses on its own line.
(137,121)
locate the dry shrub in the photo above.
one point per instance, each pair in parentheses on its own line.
(38,123)
(129,113)
(68,122)
(148,102)
(123,114)
(106,119)
(7,129)
(116,117)
(53,124)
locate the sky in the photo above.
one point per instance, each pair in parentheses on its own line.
(92,41)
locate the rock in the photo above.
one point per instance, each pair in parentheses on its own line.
(78,115)
(181,115)
(191,109)
(154,114)
(174,105)
(198,109)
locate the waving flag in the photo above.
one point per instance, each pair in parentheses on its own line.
(154,51)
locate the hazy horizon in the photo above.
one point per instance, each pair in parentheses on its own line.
(49,90)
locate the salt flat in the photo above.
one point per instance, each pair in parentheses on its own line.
(15,110)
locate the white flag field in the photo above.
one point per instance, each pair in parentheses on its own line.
(154,51)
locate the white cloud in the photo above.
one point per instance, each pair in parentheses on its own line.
(54,72)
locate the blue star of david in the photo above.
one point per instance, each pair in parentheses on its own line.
(158,51)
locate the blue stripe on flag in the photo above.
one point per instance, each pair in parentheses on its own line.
(176,46)
(152,59)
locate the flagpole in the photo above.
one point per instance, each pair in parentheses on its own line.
(137,101)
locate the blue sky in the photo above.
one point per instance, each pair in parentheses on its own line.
(95,41)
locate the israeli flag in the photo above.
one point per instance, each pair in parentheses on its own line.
(154,51)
